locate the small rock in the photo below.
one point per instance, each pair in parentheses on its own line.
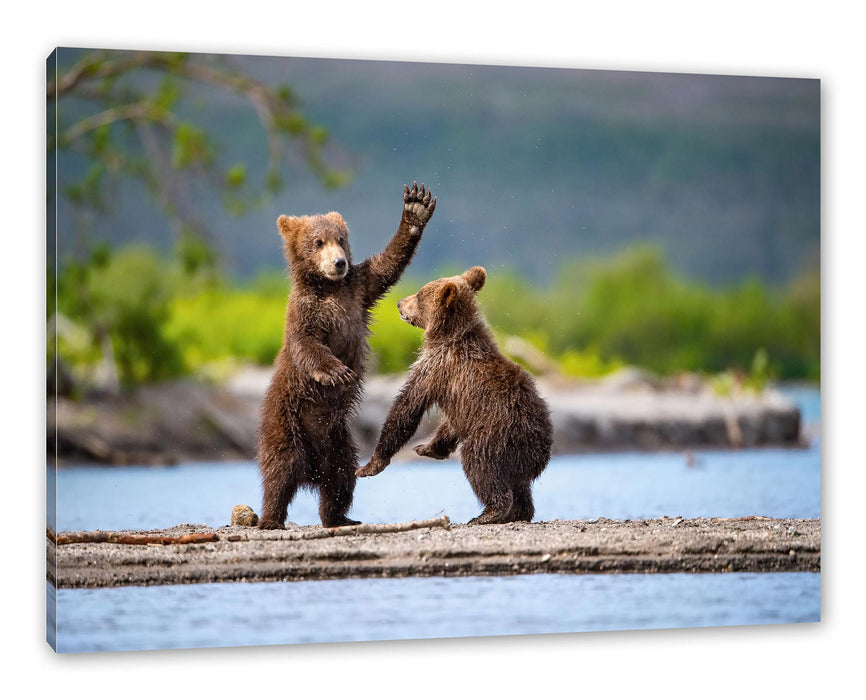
(244,516)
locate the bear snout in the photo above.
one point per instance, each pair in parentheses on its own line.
(340,264)
(408,309)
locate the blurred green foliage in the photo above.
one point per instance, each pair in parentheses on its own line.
(124,119)
(174,317)
(124,300)
(634,309)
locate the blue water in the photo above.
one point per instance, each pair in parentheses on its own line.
(776,483)
(237,614)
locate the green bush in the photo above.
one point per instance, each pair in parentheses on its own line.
(167,318)
(394,344)
(221,324)
(124,297)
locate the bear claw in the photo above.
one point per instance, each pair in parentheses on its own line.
(370,469)
(428,451)
(489,517)
(419,202)
(340,375)
(265,524)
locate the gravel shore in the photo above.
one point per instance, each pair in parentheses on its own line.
(237,554)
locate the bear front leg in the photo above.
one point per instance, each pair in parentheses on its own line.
(400,426)
(380,272)
(376,465)
(316,360)
(444,442)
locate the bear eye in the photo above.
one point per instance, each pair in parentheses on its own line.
(341,240)
(319,243)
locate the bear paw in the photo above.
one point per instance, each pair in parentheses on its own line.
(267,524)
(418,204)
(338,375)
(340,521)
(430,450)
(371,468)
(490,516)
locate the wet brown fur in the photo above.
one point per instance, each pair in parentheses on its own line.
(303,438)
(490,405)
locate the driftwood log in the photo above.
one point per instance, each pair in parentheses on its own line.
(110,537)
(128,538)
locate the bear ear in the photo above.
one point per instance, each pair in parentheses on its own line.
(476,277)
(447,294)
(291,228)
(336,218)
(288,226)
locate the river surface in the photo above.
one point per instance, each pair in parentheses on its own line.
(772,482)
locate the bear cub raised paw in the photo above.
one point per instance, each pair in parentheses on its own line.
(490,405)
(304,439)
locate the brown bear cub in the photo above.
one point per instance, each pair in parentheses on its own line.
(304,438)
(489,404)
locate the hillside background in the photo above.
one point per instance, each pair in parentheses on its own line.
(531,167)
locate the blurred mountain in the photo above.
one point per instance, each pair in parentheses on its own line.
(531,166)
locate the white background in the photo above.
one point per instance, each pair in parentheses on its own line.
(795,39)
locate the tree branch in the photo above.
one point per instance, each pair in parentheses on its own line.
(131,112)
(93,67)
(268,107)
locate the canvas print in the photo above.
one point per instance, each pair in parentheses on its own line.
(344,350)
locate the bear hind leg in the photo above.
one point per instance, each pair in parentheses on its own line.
(280,481)
(335,499)
(487,482)
(337,480)
(496,510)
(522,508)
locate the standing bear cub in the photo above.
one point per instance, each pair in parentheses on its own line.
(489,405)
(304,438)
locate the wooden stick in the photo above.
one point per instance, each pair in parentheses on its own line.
(126,538)
(198,537)
(371,528)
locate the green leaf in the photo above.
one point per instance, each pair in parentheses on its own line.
(274,181)
(236,175)
(319,136)
(191,147)
(100,140)
(334,179)
(167,94)
(285,95)
(293,123)
(194,252)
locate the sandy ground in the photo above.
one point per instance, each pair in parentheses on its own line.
(574,546)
